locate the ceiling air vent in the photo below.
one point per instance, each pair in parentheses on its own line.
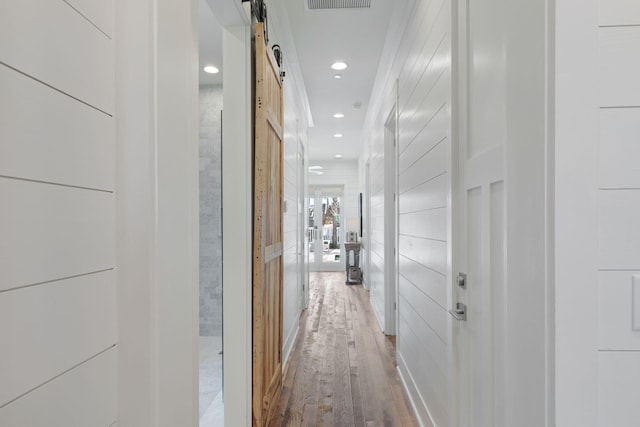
(338,4)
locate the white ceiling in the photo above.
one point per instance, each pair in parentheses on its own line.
(210,37)
(322,37)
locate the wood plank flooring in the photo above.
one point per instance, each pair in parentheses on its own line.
(342,369)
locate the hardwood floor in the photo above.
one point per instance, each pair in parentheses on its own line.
(342,370)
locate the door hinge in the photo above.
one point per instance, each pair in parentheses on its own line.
(395,306)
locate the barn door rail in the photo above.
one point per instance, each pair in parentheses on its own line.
(259,11)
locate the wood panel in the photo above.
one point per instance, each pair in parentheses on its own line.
(430,164)
(80,322)
(48,136)
(412,122)
(619,230)
(267,238)
(51,42)
(616,306)
(430,224)
(420,38)
(433,133)
(84,396)
(430,195)
(487,91)
(431,282)
(430,253)
(51,232)
(618,67)
(431,313)
(342,369)
(618,148)
(618,12)
(423,182)
(99,13)
(418,363)
(618,379)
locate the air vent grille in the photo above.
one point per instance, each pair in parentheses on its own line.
(338,4)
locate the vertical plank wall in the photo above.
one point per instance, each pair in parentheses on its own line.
(422,67)
(57,222)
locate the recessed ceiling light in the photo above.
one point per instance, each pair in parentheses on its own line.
(337,135)
(312,168)
(338,65)
(211,69)
(338,115)
(337,76)
(338,156)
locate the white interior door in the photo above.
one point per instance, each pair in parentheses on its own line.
(480,256)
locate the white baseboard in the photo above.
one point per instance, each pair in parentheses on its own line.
(288,344)
(418,405)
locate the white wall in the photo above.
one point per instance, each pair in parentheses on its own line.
(375,279)
(597,210)
(295,132)
(58,222)
(237,222)
(421,62)
(157,180)
(211,105)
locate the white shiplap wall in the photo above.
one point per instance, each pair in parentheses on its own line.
(296,122)
(424,166)
(295,131)
(58,326)
(598,233)
(422,65)
(375,280)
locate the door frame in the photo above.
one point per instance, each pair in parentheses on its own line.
(366,239)
(303,226)
(237,220)
(391,220)
(336,266)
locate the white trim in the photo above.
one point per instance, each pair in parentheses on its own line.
(412,391)
(157,202)
(289,342)
(237,225)
(391,218)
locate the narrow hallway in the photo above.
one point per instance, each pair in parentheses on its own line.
(342,369)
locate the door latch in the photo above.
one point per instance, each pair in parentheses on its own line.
(462,280)
(460,312)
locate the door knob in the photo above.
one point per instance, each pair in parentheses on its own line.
(460,312)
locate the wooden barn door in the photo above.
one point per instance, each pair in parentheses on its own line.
(267,235)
